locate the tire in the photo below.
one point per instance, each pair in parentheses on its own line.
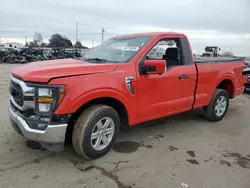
(86,125)
(210,110)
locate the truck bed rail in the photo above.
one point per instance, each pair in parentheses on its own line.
(216,59)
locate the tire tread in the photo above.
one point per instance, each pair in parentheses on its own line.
(209,110)
(81,125)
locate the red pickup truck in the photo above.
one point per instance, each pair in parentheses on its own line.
(124,81)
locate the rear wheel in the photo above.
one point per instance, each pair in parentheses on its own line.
(218,106)
(95,131)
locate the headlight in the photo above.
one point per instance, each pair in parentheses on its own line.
(44,99)
(47,99)
(44,92)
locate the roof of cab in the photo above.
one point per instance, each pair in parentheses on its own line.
(154,34)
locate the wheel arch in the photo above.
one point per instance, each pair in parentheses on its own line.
(227,83)
(113,102)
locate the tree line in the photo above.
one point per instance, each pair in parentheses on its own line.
(56,40)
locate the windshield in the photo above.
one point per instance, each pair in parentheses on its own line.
(117,50)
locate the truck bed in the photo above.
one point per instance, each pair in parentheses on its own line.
(213,70)
(217,59)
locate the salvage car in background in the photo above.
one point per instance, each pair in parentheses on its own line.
(247,60)
(247,84)
(246,71)
(26,55)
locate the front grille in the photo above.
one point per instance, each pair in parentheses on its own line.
(27,112)
(16,92)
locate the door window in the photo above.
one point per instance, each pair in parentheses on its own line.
(168,50)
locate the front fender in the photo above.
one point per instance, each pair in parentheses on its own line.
(99,93)
(70,105)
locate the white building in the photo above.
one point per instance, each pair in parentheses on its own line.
(11,45)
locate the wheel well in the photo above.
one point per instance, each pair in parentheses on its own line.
(228,86)
(112,102)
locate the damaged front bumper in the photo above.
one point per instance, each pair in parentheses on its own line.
(52,138)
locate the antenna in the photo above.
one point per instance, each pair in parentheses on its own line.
(102,34)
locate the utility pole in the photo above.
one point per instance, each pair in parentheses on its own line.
(76,31)
(25,40)
(102,34)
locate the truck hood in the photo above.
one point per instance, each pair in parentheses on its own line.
(44,71)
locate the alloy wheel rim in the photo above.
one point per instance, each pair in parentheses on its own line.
(102,133)
(220,106)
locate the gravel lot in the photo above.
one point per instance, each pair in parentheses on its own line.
(169,153)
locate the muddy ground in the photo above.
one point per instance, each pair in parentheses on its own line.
(178,151)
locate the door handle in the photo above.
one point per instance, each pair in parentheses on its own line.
(183,77)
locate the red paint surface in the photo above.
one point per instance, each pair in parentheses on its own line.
(43,71)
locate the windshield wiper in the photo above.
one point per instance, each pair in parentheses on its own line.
(96,59)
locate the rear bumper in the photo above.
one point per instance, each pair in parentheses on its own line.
(53,134)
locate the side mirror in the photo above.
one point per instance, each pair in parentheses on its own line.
(154,66)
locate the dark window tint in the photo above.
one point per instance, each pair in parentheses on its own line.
(168,49)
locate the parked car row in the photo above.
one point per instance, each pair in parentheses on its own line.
(25,55)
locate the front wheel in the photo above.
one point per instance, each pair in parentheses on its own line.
(95,131)
(218,106)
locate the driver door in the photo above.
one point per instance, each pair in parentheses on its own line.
(170,92)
